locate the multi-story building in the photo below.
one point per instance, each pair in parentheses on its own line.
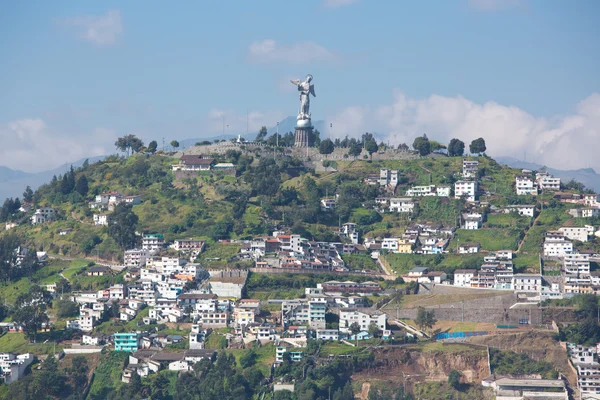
(527,283)
(127,341)
(430,190)
(189,245)
(300,311)
(349,231)
(576,264)
(466,189)
(348,316)
(12,366)
(101,219)
(42,215)
(470,169)
(402,204)
(546,181)
(153,242)
(524,185)
(575,233)
(462,277)
(388,177)
(555,245)
(362,288)
(136,257)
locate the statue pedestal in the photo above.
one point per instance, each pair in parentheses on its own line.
(302,135)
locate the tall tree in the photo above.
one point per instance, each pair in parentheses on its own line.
(122,224)
(456,148)
(28,194)
(477,146)
(355,148)
(425,319)
(152,146)
(129,144)
(82,185)
(422,145)
(30,310)
(326,147)
(175,144)
(371,147)
(262,134)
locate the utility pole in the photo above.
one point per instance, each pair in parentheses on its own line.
(277,135)
(163,140)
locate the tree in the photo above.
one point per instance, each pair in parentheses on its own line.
(454,379)
(66,308)
(456,148)
(262,134)
(326,147)
(355,330)
(371,147)
(354,148)
(422,145)
(28,194)
(129,143)
(174,144)
(425,319)
(373,330)
(152,146)
(477,146)
(30,310)
(248,358)
(436,146)
(122,224)
(82,186)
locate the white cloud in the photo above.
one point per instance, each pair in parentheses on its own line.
(567,142)
(31,145)
(100,30)
(497,5)
(268,50)
(338,3)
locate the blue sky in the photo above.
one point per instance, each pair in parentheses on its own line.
(75,75)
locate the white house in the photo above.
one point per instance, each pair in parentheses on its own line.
(524,185)
(546,181)
(557,247)
(328,204)
(522,209)
(12,367)
(527,283)
(388,177)
(469,248)
(348,316)
(153,242)
(591,200)
(101,219)
(328,334)
(42,215)
(402,204)
(467,189)
(471,222)
(574,233)
(462,277)
(586,212)
(136,257)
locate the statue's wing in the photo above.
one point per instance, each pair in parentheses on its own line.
(295,81)
(312,90)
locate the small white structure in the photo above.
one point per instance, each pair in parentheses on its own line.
(522,209)
(527,283)
(101,219)
(12,366)
(402,204)
(470,169)
(469,248)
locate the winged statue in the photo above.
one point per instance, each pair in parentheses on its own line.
(306,89)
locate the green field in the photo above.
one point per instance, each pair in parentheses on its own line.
(18,343)
(489,239)
(218,254)
(402,263)
(107,375)
(507,221)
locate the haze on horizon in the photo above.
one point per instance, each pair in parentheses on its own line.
(521,73)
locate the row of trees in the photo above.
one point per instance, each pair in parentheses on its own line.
(455,148)
(130,144)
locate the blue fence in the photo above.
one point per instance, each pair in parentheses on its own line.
(458,335)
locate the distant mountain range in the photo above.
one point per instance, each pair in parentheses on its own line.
(587,176)
(13,182)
